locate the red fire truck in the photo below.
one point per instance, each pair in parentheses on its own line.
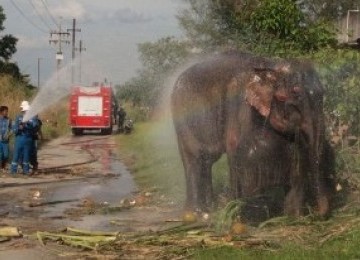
(92,108)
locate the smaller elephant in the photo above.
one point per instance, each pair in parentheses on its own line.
(266,116)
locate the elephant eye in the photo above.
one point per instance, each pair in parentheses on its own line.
(297,89)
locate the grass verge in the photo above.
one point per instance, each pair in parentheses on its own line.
(151,154)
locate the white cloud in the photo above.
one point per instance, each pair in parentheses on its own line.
(127,15)
(68,9)
(110,30)
(29,42)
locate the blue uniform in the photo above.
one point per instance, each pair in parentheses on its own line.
(24,142)
(33,154)
(5,131)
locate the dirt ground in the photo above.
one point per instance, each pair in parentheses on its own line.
(82,184)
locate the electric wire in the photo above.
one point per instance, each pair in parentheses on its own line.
(49,13)
(39,14)
(26,18)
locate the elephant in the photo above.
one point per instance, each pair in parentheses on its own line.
(267,116)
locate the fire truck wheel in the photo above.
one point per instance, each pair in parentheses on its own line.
(77,131)
(106,131)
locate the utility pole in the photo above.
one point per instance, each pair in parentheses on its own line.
(38,71)
(80,49)
(73,31)
(59,39)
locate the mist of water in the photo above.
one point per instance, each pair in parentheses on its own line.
(60,83)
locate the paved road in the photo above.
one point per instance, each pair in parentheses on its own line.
(72,169)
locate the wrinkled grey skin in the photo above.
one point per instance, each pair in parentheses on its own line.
(266,116)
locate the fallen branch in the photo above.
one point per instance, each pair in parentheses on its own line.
(45,203)
(91,233)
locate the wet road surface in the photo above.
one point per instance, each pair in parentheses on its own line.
(72,170)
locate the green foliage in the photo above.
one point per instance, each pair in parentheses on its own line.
(10,68)
(137,113)
(340,73)
(151,154)
(201,24)
(282,28)
(227,215)
(328,10)
(12,93)
(7,42)
(2,18)
(7,46)
(7,49)
(280,18)
(163,55)
(348,164)
(344,247)
(283,23)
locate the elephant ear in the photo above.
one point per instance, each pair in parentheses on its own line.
(260,91)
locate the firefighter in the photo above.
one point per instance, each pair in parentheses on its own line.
(5,132)
(37,135)
(121,116)
(24,132)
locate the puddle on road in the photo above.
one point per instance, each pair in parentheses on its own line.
(107,189)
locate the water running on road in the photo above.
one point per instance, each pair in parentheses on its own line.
(115,185)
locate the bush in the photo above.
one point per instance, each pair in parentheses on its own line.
(12,93)
(340,73)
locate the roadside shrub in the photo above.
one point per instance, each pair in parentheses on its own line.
(137,113)
(12,93)
(340,73)
(55,120)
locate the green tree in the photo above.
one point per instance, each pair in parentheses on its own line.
(7,49)
(163,55)
(286,27)
(201,24)
(275,27)
(327,9)
(159,59)
(340,74)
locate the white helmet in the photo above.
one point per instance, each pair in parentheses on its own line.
(25,106)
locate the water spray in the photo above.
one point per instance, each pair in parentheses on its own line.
(59,86)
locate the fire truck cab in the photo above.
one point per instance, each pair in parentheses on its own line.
(92,108)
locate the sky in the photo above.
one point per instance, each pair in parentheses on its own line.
(110,32)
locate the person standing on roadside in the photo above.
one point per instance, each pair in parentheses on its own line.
(121,118)
(37,135)
(24,132)
(5,132)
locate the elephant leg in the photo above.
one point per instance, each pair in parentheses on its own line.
(205,186)
(295,197)
(323,204)
(235,178)
(323,194)
(197,165)
(294,200)
(192,174)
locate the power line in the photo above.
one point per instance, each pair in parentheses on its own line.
(48,11)
(26,18)
(39,14)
